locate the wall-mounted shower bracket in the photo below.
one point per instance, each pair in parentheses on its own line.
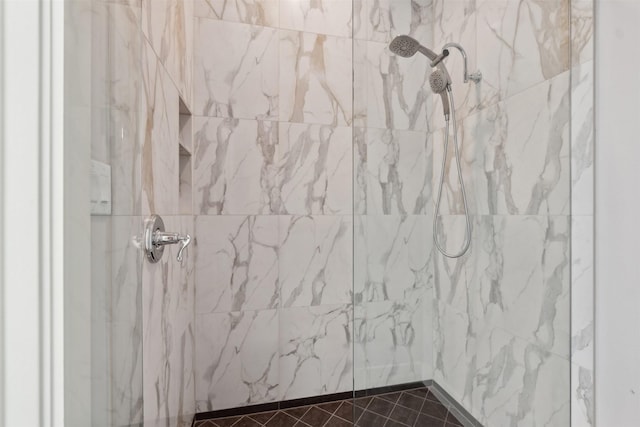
(155,239)
(474,77)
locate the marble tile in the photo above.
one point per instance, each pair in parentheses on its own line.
(125,91)
(582,140)
(393,343)
(315,78)
(455,21)
(236,70)
(582,31)
(331,17)
(315,351)
(168,25)
(314,169)
(235,167)
(390,92)
(116,91)
(236,263)
(236,359)
(500,378)
(523,44)
(506,284)
(315,260)
(125,321)
(255,12)
(398,180)
(582,291)
(126,381)
(582,397)
(359,170)
(168,303)
(513,161)
(159,138)
(382,20)
(392,257)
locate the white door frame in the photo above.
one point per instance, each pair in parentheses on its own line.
(32,213)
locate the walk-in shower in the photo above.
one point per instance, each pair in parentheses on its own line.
(440,83)
(370,228)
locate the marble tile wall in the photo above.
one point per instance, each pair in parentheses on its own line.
(582,210)
(149,331)
(502,338)
(274,164)
(316,154)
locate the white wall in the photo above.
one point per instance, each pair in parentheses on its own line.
(617,202)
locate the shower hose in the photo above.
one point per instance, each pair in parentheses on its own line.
(467,236)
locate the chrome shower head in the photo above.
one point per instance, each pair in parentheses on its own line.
(404,46)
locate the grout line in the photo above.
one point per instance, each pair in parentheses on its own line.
(421,406)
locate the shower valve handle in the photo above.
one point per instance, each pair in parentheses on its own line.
(155,239)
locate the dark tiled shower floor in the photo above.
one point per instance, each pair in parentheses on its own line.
(417,407)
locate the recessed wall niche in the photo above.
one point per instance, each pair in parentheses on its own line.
(185,148)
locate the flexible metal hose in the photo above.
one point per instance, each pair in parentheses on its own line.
(467,236)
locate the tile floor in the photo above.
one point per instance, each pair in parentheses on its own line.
(413,408)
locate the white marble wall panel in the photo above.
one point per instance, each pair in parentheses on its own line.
(392,257)
(521,288)
(168,337)
(359,171)
(515,155)
(101,264)
(168,25)
(126,321)
(255,12)
(332,17)
(582,208)
(398,172)
(234,166)
(315,78)
(236,263)
(393,341)
(455,21)
(315,351)
(582,31)
(582,139)
(520,44)
(116,87)
(390,92)
(315,260)
(582,320)
(382,20)
(314,169)
(502,379)
(159,137)
(237,359)
(236,70)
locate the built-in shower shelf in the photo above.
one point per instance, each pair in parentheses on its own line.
(185,148)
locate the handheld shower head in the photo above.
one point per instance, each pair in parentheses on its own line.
(404,46)
(439,81)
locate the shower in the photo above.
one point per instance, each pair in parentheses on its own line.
(440,83)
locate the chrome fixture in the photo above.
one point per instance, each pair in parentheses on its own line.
(474,77)
(440,83)
(155,239)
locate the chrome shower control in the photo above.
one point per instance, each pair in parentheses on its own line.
(155,239)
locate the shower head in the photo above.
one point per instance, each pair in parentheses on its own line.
(438,81)
(404,46)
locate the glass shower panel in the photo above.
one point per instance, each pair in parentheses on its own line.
(103,49)
(488,332)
